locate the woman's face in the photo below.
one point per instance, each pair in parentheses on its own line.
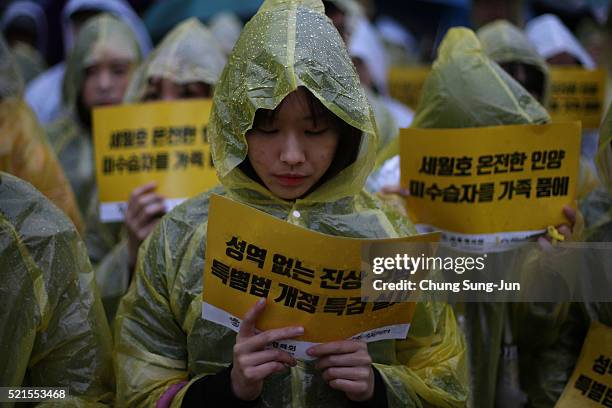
(162,89)
(293,150)
(106,80)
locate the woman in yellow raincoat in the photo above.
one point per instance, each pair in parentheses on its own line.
(186,64)
(24,151)
(289,61)
(98,72)
(53,332)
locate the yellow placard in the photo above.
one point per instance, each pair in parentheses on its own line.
(490,180)
(591,382)
(406,83)
(308,278)
(164,142)
(577,94)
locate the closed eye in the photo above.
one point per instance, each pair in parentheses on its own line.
(316,132)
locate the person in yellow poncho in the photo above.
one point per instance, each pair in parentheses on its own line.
(292,135)
(186,64)
(24,150)
(53,332)
(97,73)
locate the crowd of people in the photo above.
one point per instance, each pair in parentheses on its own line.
(113,311)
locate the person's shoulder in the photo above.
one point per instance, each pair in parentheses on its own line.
(392,208)
(31,214)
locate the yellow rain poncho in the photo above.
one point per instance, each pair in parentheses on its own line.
(24,151)
(188,54)
(159,331)
(467,89)
(70,134)
(504,43)
(53,332)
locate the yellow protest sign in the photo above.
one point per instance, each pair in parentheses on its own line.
(406,83)
(308,278)
(577,94)
(591,382)
(164,142)
(485,185)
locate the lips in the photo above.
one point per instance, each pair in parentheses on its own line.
(290,180)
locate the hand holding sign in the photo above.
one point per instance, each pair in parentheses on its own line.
(347,367)
(145,209)
(252,362)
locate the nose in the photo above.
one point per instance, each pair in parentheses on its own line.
(292,150)
(104,80)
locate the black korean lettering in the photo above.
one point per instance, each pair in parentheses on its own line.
(600,365)
(451,194)
(416,188)
(302,273)
(182,160)
(544,187)
(288,295)
(468,193)
(486,192)
(260,286)
(257,255)
(517,162)
(597,391)
(355,306)
(446,166)
(235,248)
(335,305)
(220,270)
(463,166)
(583,383)
(428,165)
(501,163)
(485,165)
(239,280)
(282,265)
(307,302)
(433,192)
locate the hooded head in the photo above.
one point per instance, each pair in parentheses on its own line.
(507,45)
(99,66)
(27,16)
(189,54)
(118,8)
(554,40)
(467,89)
(291,44)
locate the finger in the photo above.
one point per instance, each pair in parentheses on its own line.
(261,340)
(136,204)
(336,347)
(266,356)
(145,188)
(570,214)
(545,244)
(145,231)
(260,372)
(361,373)
(150,213)
(344,360)
(565,231)
(349,386)
(247,327)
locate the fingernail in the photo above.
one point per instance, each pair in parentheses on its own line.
(261,301)
(299,330)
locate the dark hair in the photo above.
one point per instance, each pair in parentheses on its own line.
(348,143)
